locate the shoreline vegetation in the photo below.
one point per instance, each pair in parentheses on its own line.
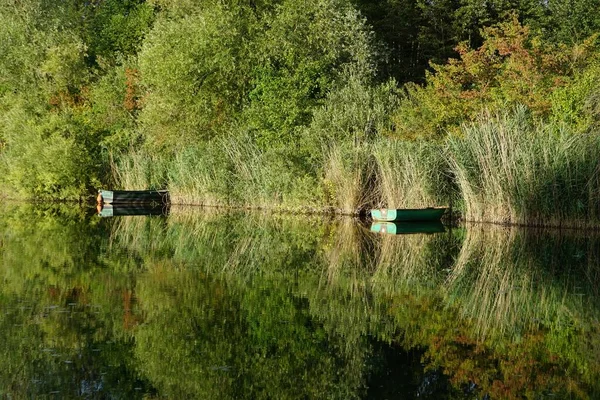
(323,105)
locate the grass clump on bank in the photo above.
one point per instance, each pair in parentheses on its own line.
(411,174)
(505,168)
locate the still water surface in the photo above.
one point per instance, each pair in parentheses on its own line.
(204,304)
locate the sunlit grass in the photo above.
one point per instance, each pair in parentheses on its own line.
(349,178)
(140,170)
(505,168)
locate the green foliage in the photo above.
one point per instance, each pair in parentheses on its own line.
(355,111)
(275,177)
(301,56)
(281,103)
(63,72)
(473,16)
(47,148)
(265,67)
(114,28)
(348,178)
(238,170)
(569,22)
(54,155)
(578,105)
(140,170)
(202,175)
(229,171)
(415,33)
(62,117)
(113,104)
(18,54)
(200,80)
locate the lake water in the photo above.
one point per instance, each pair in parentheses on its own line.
(206,304)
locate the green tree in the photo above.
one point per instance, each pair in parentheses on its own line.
(56,123)
(114,28)
(262,65)
(195,71)
(301,57)
(570,21)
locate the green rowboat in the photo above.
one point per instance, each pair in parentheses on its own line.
(408,214)
(398,228)
(133,197)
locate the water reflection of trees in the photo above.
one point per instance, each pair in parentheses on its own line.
(206,304)
(510,281)
(63,312)
(534,295)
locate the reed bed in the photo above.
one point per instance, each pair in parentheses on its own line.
(411,174)
(349,178)
(504,168)
(139,170)
(512,170)
(250,175)
(197,176)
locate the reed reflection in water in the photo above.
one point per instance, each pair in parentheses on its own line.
(207,304)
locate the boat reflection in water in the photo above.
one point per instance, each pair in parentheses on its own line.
(399,228)
(429,214)
(115,210)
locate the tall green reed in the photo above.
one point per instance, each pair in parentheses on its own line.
(411,174)
(140,170)
(349,178)
(230,171)
(200,175)
(512,170)
(504,168)
(271,177)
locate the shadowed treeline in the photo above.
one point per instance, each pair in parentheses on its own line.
(208,304)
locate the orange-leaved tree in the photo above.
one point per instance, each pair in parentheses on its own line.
(512,66)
